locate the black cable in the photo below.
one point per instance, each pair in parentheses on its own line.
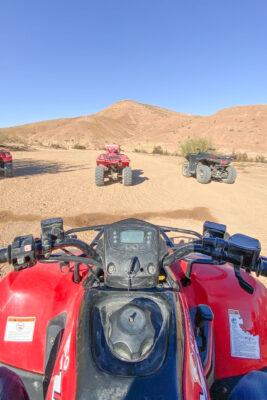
(85,228)
(180,230)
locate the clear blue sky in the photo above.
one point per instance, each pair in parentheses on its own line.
(65,58)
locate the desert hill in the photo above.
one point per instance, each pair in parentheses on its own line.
(134,125)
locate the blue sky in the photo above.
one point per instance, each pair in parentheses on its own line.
(65,58)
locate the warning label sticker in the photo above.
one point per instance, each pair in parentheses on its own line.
(19,329)
(243,344)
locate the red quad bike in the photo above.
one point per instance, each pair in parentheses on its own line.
(6,166)
(113,165)
(134,315)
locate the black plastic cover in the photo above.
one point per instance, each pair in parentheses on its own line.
(246,247)
(132,262)
(213,230)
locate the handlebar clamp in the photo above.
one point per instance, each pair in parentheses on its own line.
(52,230)
(23,252)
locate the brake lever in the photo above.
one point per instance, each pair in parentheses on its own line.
(242,282)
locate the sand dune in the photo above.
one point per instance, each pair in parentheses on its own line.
(137,125)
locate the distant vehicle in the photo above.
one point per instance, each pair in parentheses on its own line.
(6,164)
(113,165)
(204,166)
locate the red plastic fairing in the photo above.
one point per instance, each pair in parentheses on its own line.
(217,286)
(117,160)
(63,380)
(5,156)
(28,293)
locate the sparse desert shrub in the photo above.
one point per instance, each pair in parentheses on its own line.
(140,151)
(78,146)
(243,157)
(260,159)
(158,150)
(56,146)
(192,144)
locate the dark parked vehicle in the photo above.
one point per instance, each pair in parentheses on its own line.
(205,166)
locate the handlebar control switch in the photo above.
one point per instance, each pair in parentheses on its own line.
(23,252)
(214,230)
(52,230)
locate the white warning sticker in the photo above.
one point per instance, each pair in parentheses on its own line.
(19,329)
(243,344)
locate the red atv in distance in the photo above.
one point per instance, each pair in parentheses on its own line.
(113,165)
(6,166)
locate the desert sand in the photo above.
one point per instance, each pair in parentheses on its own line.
(53,183)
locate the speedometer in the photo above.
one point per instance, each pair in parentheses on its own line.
(132,236)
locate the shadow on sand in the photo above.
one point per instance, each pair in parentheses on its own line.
(28,167)
(137,178)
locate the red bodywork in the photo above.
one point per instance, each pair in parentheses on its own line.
(5,156)
(112,158)
(43,292)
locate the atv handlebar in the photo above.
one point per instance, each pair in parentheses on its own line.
(221,251)
(218,249)
(240,250)
(26,251)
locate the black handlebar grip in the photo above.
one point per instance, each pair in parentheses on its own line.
(5,254)
(262,267)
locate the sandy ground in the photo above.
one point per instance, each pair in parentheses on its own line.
(61,183)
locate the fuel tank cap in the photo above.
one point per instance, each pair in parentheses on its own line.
(131,333)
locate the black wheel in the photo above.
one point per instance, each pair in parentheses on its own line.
(185,170)
(127,176)
(231,174)
(8,171)
(203,173)
(99,175)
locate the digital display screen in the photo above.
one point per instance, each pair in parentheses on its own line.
(132,236)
